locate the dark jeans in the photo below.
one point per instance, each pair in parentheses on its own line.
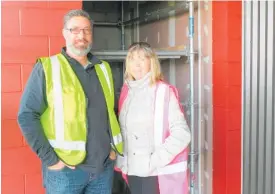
(143,185)
(77,181)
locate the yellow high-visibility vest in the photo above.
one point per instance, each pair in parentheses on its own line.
(65,121)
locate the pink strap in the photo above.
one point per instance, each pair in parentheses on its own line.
(122,97)
(178,182)
(184,154)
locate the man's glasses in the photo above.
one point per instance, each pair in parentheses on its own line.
(78,30)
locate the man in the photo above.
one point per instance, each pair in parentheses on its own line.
(67,114)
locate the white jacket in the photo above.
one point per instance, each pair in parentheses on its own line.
(141,157)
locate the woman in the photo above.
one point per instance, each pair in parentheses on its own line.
(153,126)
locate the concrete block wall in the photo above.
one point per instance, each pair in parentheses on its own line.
(227,85)
(29,30)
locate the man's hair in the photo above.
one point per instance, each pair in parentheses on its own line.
(75,13)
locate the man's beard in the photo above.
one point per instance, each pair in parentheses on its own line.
(79,52)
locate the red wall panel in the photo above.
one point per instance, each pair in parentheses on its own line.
(11,78)
(24,49)
(10,103)
(21,4)
(227,75)
(13,184)
(19,161)
(65,5)
(234,71)
(10,27)
(10,129)
(33,183)
(34,21)
(233,168)
(220,72)
(29,30)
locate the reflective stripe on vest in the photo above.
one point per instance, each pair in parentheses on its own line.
(66,145)
(162,91)
(117,138)
(109,94)
(103,68)
(59,141)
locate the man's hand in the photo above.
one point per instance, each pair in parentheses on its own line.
(112,155)
(60,165)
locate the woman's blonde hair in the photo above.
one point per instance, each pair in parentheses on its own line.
(148,52)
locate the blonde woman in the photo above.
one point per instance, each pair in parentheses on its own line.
(153,126)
